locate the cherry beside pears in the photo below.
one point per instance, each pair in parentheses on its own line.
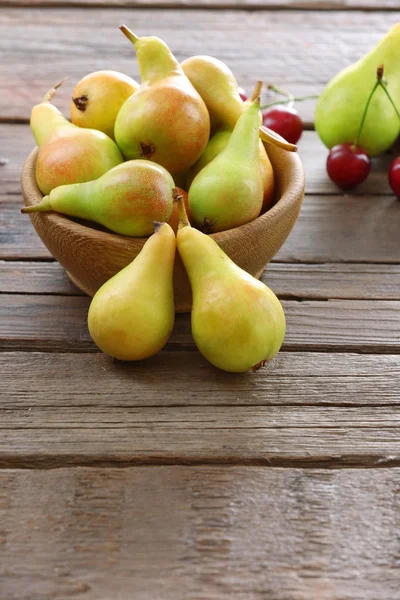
(67,153)
(166,121)
(127,199)
(132,315)
(237,322)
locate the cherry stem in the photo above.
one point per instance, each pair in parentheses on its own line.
(377,83)
(383,86)
(290,100)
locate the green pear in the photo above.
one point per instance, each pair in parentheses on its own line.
(98,97)
(237,322)
(341,105)
(132,315)
(127,199)
(166,121)
(218,87)
(229,192)
(215,146)
(67,153)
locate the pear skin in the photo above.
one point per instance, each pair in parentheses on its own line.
(216,144)
(228,192)
(98,97)
(237,322)
(127,199)
(218,87)
(132,315)
(166,121)
(341,104)
(67,153)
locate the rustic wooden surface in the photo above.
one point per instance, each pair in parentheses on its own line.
(276,485)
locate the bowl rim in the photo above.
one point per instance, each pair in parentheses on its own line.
(291,190)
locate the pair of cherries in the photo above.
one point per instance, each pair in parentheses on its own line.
(281,119)
(348,165)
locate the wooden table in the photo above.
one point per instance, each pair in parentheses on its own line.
(169,479)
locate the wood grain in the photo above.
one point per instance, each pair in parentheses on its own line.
(200,533)
(302,62)
(212,4)
(289,281)
(58,324)
(274,436)
(38,380)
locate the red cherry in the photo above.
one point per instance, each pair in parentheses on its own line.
(242,94)
(394,176)
(348,165)
(285,121)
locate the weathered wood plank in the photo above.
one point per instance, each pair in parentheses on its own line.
(38,380)
(323,281)
(200,533)
(212,4)
(301,62)
(58,324)
(273,436)
(18,239)
(35,278)
(308,281)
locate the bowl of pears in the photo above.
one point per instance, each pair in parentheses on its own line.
(182,149)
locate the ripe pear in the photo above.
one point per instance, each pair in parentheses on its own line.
(67,153)
(166,121)
(132,315)
(218,87)
(229,191)
(127,199)
(237,322)
(216,144)
(341,105)
(98,97)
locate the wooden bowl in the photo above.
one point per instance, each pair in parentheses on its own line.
(91,256)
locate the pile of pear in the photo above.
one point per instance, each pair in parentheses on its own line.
(176,157)
(128,146)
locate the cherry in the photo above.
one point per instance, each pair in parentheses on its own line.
(242,94)
(285,121)
(394,176)
(348,165)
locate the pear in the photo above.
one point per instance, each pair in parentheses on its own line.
(218,87)
(341,104)
(166,121)
(98,97)
(174,218)
(237,322)
(127,199)
(216,144)
(229,192)
(67,153)
(132,315)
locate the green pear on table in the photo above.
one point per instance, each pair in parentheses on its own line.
(67,153)
(127,199)
(341,104)
(229,191)
(237,322)
(132,315)
(166,121)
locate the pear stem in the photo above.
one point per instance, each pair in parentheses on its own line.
(183,220)
(43,206)
(129,34)
(50,94)
(290,100)
(257,91)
